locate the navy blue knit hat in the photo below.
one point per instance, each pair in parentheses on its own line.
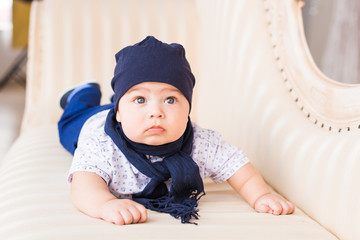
(152,61)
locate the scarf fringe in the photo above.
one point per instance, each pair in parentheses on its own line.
(186,210)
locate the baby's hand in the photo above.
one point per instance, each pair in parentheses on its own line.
(270,203)
(123,211)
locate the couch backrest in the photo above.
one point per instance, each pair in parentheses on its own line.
(256,84)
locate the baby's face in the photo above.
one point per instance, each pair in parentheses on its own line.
(153,113)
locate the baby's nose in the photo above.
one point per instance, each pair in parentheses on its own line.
(156,115)
(156,112)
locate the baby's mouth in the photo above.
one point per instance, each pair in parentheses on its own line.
(155,129)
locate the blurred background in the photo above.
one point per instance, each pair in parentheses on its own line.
(14,20)
(331,29)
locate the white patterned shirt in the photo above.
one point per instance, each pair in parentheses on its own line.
(97,153)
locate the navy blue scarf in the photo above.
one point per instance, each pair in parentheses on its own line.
(186,186)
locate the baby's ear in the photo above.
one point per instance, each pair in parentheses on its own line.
(118,118)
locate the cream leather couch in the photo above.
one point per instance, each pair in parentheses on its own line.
(256,83)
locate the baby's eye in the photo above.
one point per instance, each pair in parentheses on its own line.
(170,100)
(140,100)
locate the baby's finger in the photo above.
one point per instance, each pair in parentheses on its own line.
(112,217)
(136,215)
(116,218)
(262,208)
(143,213)
(276,207)
(127,216)
(288,207)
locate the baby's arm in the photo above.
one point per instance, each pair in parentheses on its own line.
(90,194)
(248,182)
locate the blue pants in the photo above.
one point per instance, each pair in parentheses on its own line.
(81,107)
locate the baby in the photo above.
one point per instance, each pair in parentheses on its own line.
(142,151)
